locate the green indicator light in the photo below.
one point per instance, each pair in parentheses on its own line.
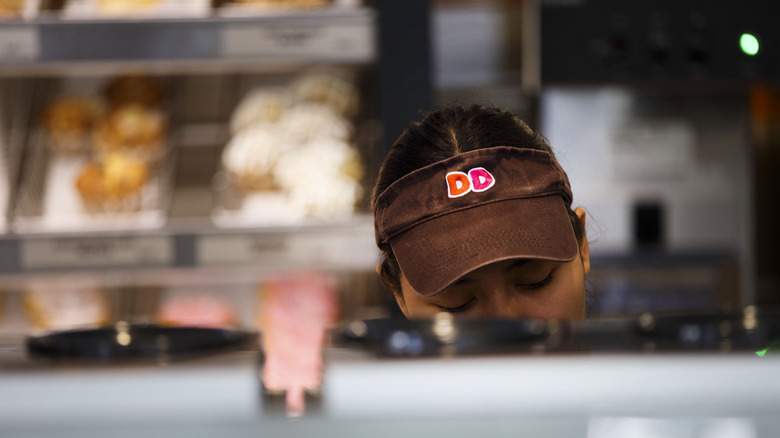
(749,44)
(762,353)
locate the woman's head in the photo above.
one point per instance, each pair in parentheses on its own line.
(473,214)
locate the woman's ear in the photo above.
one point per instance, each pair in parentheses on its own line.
(584,249)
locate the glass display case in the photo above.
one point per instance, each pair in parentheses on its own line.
(162,149)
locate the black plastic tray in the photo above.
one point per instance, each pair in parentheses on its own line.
(138,342)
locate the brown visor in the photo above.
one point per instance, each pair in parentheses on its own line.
(483,206)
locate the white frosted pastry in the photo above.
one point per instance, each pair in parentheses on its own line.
(331,87)
(321,178)
(251,155)
(260,105)
(329,198)
(309,121)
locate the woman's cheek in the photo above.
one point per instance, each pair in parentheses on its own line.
(570,296)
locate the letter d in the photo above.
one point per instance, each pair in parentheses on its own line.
(481,179)
(457,184)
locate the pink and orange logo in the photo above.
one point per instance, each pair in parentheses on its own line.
(477,179)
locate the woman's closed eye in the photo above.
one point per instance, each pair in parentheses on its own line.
(536,285)
(462,308)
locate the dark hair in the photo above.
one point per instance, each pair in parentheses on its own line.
(445,133)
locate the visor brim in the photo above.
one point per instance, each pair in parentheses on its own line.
(436,253)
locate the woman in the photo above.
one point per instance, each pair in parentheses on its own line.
(473,216)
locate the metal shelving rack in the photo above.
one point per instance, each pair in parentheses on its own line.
(368,35)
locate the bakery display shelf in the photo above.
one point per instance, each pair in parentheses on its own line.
(50,43)
(346,245)
(185,219)
(94,160)
(315,198)
(49,202)
(217,47)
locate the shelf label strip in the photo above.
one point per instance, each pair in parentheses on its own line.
(19,43)
(337,41)
(92,252)
(304,249)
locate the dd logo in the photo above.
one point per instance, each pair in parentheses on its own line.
(477,179)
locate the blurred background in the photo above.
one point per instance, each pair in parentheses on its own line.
(165,148)
(167,161)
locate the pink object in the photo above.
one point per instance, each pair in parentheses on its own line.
(295,313)
(197,311)
(481,179)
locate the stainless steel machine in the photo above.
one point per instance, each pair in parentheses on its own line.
(658,109)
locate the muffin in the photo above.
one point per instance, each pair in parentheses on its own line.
(133,129)
(59,305)
(112,183)
(68,122)
(133,89)
(250,156)
(260,105)
(10,9)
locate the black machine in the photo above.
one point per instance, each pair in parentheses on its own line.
(751,330)
(586,41)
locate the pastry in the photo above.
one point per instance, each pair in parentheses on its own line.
(198,310)
(283,3)
(321,178)
(60,305)
(330,198)
(123,7)
(307,121)
(133,89)
(260,105)
(112,183)
(10,9)
(330,87)
(250,156)
(133,129)
(68,121)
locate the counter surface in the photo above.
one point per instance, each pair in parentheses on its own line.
(582,395)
